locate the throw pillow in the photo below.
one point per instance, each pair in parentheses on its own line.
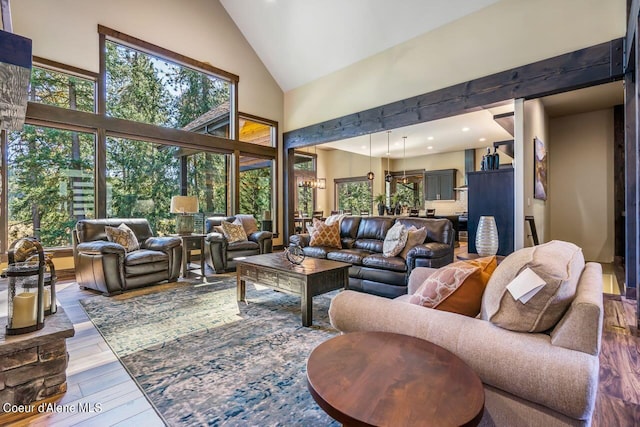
(233,232)
(467,299)
(415,237)
(124,236)
(441,286)
(558,263)
(325,235)
(395,240)
(248,222)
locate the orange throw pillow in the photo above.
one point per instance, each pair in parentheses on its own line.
(457,287)
(325,235)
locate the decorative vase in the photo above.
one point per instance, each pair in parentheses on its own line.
(487,236)
(381,209)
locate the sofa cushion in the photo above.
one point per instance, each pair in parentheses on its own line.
(123,236)
(415,236)
(395,263)
(371,245)
(558,263)
(233,232)
(317,251)
(395,240)
(325,235)
(351,256)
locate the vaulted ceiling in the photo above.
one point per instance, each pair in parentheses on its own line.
(302,40)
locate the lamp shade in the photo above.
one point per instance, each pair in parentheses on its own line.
(184,204)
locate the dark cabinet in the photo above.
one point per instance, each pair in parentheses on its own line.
(439,184)
(491,193)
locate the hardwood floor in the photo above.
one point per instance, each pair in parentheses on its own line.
(96,376)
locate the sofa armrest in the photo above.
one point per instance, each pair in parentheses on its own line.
(162,244)
(216,251)
(524,364)
(264,239)
(215,238)
(100,247)
(301,240)
(430,250)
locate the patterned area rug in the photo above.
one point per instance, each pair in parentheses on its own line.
(202,358)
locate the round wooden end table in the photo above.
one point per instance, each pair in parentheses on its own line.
(386,379)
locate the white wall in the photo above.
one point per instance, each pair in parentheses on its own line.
(504,35)
(66,31)
(581,182)
(535,126)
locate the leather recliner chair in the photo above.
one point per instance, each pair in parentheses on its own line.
(107,267)
(220,254)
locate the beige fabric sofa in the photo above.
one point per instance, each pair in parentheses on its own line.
(531,379)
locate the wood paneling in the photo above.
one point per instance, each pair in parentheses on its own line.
(585,67)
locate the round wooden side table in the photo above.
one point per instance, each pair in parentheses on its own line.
(386,379)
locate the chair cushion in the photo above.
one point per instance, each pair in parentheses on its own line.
(558,263)
(233,232)
(395,263)
(415,237)
(145,256)
(123,236)
(325,235)
(351,256)
(243,245)
(395,240)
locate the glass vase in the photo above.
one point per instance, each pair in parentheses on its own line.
(487,236)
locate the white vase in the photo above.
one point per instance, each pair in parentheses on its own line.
(487,236)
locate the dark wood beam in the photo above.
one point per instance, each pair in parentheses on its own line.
(55,117)
(585,67)
(505,120)
(633,11)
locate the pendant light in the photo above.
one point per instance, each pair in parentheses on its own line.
(404,180)
(370,175)
(388,176)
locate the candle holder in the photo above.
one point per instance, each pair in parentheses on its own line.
(26,292)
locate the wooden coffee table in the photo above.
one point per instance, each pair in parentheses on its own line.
(312,277)
(385,379)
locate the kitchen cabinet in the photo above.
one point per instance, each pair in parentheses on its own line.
(491,194)
(439,184)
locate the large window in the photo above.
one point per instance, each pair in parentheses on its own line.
(354,194)
(256,186)
(172,129)
(149,89)
(50,183)
(409,193)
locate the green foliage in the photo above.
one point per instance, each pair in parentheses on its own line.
(354,195)
(255,191)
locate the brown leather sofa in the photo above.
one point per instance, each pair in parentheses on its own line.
(108,268)
(220,254)
(362,239)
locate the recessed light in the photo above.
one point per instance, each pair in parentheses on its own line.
(430,147)
(387,153)
(482,139)
(430,138)
(465,129)
(396,143)
(364,147)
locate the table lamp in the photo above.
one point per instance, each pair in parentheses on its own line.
(184,206)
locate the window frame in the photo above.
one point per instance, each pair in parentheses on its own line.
(101,125)
(338,181)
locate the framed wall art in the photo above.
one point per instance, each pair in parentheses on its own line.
(540,167)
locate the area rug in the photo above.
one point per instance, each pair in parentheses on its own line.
(202,358)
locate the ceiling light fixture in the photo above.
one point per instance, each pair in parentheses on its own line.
(370,175)
(314,183)
(430,147)
(482,139)
(465,129)
(388,177)
(429,138)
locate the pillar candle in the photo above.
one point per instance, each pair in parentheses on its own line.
(47,298)
(24,310)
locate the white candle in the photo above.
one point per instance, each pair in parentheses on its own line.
(47,298)
(24,310)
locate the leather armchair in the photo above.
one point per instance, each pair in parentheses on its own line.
(220,254)
(107,267)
